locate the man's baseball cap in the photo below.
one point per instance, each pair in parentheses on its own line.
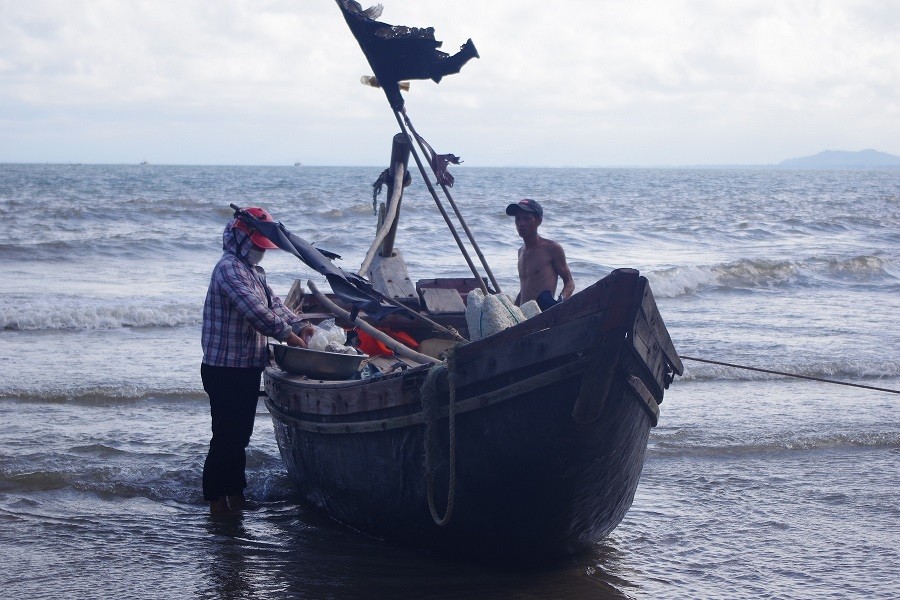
(526,205)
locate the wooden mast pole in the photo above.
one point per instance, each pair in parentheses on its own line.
(397,176)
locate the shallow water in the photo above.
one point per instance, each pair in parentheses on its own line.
(754,484)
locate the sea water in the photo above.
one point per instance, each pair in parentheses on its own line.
(755,485)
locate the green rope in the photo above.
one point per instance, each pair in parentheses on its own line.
(515,317)
(429,397)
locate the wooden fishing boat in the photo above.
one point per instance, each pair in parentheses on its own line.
(552,418)
(527,443)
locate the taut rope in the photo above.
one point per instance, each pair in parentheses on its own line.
(757,369)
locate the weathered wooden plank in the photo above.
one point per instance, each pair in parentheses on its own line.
(647,346)
(658,327)
(646,397)
(651,341)
(435,347)
(604,360)
(442,301)
(546,344)
(513,390)
(337,397)
(389,276)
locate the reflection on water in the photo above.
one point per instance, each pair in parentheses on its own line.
(286,551)
(227,571)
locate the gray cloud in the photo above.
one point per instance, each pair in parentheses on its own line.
(573,82)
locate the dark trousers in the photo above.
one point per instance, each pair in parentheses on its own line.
(545,300)
(233,393)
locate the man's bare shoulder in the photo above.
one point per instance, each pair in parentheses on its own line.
(551,245)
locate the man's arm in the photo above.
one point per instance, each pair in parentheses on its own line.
(519,268)
(558,256)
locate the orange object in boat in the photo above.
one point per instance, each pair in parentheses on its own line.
(374,347)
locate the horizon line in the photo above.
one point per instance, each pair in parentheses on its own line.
(779,166)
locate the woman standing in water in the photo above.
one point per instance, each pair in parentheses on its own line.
(240,312)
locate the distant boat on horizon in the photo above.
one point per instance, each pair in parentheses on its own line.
(144,162)
(298,164)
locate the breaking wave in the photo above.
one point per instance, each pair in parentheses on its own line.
(749,274)
(836,370)
(29,314)
(107,395)
(680,443)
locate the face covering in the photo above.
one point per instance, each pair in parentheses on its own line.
(255,255)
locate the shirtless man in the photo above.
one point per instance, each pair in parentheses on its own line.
(541,261)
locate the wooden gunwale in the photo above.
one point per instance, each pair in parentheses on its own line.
(462,406)
(343,397)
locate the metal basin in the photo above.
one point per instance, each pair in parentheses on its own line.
(316,363)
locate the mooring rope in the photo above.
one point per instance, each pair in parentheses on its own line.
(725,364)
(429,395)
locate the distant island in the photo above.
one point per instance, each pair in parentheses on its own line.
(836,159)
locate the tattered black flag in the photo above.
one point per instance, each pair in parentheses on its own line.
(397,52)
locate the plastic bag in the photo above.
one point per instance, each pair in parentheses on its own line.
(333,332)
(319,340)
(330,337)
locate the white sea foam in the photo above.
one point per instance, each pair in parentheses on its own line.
(89,314)
(689,445)
(759,273)
(842,370)
(681,281)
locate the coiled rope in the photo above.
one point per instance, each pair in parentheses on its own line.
(429,395)
(757,369)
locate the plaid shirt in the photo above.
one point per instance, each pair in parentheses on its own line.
(241,310)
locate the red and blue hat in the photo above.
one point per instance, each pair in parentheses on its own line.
(526,205)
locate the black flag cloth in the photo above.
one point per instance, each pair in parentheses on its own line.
(397,52)
(349,287)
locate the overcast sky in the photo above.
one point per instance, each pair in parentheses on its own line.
(564,83)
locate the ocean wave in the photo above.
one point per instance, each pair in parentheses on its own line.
(749,274)
(99,451)
(104,395)
(154,471)
(29,314)
(74,247)
(681,443)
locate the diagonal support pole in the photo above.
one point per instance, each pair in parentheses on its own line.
(437,201)
(459,216)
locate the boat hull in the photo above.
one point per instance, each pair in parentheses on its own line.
(551,427)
